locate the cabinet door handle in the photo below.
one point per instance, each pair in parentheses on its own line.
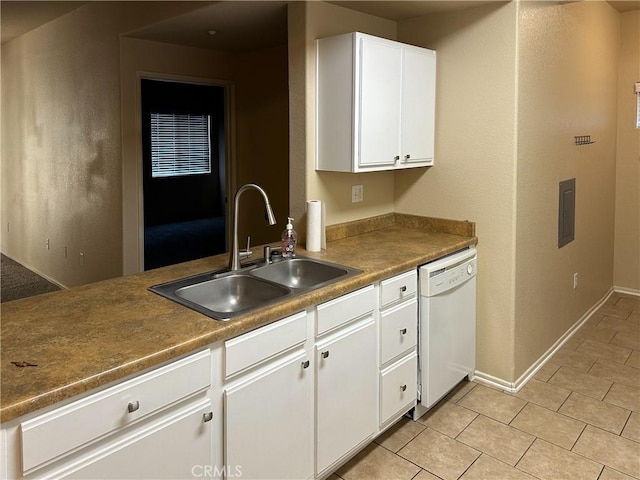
(396,158)
(403,387)
(407,156)
(133,406)
(403,288)
(207,417)
(305,364)
(325,354)
(403,331)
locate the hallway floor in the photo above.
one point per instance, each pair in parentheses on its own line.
(578,418)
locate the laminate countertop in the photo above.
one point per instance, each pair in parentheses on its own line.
(88,336)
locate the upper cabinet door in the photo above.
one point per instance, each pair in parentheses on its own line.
(418,106)
(375,102)
(378,103)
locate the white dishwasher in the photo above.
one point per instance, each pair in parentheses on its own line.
(447,326)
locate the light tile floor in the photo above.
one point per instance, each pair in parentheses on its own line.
(577,419)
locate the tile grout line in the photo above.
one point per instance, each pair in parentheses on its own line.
(578,437)
(523,455)
(471,464)
(406,459)
(625,424)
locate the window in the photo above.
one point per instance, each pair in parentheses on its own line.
(180,145)
(637,104)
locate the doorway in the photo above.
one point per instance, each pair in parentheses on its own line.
(184,174)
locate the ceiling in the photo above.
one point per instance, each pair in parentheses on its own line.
(239,25)
(22,17)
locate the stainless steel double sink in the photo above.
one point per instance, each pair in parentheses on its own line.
(223,295)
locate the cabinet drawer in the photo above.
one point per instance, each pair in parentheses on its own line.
(67,428)
(398,330)
(399,287)
(252,348)
(183,438)
(337,312)
(398,387)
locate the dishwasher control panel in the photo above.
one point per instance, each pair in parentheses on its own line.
(447,273)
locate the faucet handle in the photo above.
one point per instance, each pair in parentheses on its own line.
(247,252)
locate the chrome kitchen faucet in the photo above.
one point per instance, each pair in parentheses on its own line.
(234,258)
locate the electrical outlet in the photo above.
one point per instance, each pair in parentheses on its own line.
(357,193)
(575,281)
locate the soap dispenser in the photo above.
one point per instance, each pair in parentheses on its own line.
(289,239)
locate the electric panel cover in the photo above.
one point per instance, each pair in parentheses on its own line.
(566,212)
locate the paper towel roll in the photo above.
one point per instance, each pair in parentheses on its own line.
(315,226)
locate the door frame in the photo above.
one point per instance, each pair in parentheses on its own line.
(133,232)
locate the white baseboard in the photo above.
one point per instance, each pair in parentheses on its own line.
(513,387)
(495,382)
(628,291)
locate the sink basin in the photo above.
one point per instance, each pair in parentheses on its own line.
(231,294)
(222,297)
(300,273)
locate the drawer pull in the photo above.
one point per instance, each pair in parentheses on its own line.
(403,331)
(396,158)
(305,364)
(133,406)
(403,288)
(207,417)
(325,354)
(403,387)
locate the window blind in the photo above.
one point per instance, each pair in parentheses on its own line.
(179,144)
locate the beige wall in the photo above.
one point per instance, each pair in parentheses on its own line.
(262,140)
(474,173)
(515,83)
(324,20)
(61,158)
(297,60)
(626,270)
(567,79)
(61,169)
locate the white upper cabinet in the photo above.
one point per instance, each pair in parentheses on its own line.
(379,113)
(375,104)
(418,106)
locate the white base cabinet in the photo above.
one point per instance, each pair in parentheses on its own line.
(345,392)
(268,423)
(177,447)
(268,426)
(161,424)
(398,388)
(398,346)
